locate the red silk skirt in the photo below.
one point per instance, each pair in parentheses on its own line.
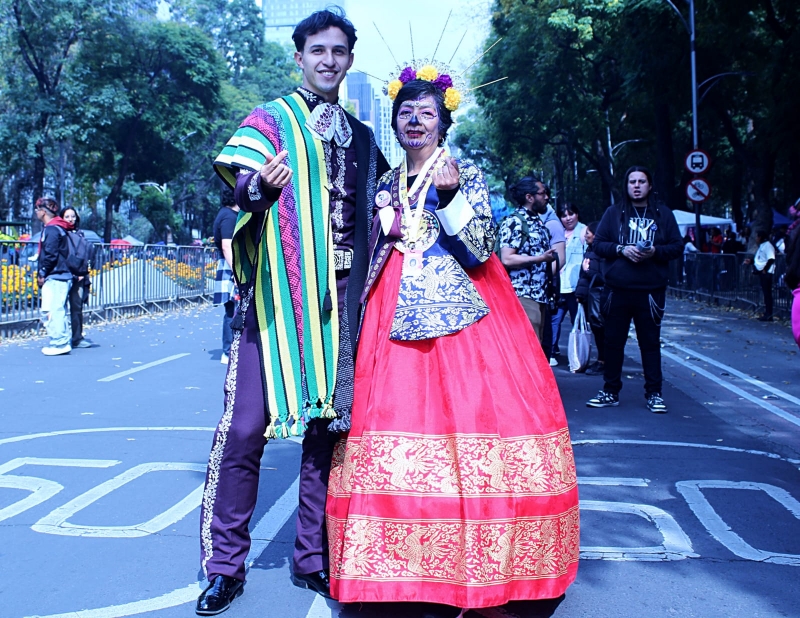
(456,483)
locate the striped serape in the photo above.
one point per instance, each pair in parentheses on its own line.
(286,253)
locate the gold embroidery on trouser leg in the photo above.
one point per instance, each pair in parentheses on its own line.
(217,451)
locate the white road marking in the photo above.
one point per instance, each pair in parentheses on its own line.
(270,525)
(716,447)
(171,599)
(128,372)
(180,596)
(72,432)
(738,374)
(676,545)
(612,481)
(716,526)
(56,522)
(787,416)
(324,608)
(41,489)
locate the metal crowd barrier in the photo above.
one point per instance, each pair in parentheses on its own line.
(726,279)
(124,281)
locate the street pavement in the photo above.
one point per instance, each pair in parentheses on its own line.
(103,452)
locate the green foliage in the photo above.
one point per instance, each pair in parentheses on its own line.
(99,96)
(156,206)
(597,85)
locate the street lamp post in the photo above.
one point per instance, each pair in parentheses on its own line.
(690,28)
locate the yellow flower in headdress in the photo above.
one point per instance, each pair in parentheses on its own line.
(428,73)
(452,99)
(393,88)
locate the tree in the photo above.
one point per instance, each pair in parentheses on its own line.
(156,206)
(143,93)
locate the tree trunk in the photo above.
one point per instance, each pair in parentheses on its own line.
(38,171)
(664,180)
(736,194)
(763,176)
(114,198)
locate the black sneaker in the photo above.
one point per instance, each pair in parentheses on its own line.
(655,403)
(596,369)
(603,400)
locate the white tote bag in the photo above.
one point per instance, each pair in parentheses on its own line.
(580,343)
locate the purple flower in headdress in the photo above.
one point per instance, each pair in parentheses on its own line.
(443,82)
(407,75)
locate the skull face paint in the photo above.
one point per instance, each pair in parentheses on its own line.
(418,123)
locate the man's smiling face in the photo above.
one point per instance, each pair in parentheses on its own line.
(325,60)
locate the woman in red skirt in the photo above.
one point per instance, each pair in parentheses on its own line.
(456,484)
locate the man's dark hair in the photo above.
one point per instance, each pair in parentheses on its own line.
(331,17)
(49,204)
(77,216)
(226,197)
(592,227)
(415,90)
(626,198)
(525,186)
(568,207)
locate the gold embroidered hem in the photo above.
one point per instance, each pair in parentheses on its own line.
(453,465)
(466,553)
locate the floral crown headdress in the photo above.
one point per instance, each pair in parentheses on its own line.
(454,87)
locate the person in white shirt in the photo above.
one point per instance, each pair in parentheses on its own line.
(764,263)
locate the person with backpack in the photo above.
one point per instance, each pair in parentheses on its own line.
(79,291)
(524,249)
(54,276)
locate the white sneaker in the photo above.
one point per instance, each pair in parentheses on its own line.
(224,359)
(553,362)
(56,351)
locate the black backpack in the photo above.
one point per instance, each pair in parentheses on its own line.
(80,253)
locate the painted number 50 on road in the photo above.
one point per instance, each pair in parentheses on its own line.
(56,522)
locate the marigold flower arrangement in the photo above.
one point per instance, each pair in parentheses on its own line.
(430,73)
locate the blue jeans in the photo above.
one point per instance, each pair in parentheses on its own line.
(227,333)
(567,303)
(54,311)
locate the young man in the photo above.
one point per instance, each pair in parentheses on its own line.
(224,285)
(637,238)
(525,249)
(54,276)
(304,173)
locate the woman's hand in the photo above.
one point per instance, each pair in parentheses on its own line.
(446,177)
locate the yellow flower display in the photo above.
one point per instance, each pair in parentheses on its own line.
(19,285)
(393,88)
(452,99)
(428,73)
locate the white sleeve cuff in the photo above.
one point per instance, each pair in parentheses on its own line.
(455,216)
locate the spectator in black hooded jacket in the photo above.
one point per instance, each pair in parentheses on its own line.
(591,278)
(636,238)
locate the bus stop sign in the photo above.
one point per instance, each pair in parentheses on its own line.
(697,162)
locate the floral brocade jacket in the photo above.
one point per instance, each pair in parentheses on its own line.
(436,296)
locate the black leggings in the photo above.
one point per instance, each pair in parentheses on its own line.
(646,309)
(76,300)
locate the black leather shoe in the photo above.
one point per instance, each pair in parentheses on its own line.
(219,594)
(319,582)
